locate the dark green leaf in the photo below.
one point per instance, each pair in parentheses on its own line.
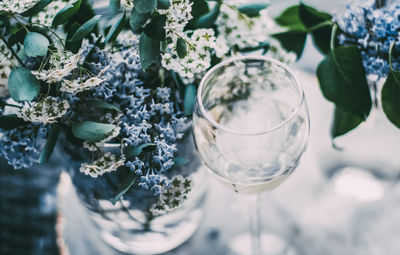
(181,48)
(126,185)
(132,151)
(145,6)
(103,105)
(391,98)
(342,80)
(199,8)
(137,20)
(311,18)
(4,25)
(155,29)
(292,40)
(50,144)
(66,13)
(9,122)
(163,4)
(261,46)
(252,10)
(149,50)
(290,18)
(92,131)
(190,97)
(116,29)
(35,44)
(85,29)
(114,5)
(208,20)
(23,85)
(343,122)
(36,8)
(70,45)
(178,161)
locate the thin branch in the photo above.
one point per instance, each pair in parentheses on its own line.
(13,52)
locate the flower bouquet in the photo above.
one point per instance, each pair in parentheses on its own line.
(120,90)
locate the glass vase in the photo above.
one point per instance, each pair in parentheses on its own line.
(129,226)
(28,209)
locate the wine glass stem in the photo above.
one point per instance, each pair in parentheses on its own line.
(255,223)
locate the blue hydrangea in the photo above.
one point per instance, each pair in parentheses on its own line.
(372,30)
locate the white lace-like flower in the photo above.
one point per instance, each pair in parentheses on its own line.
(5,68)
(173,196)
(178,15)
(46,16)
(17,6)
(47,110)
(278,52)
(74,86)
(107,163)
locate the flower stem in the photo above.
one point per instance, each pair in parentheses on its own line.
(13,52)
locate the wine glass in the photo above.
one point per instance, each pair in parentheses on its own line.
(251,126)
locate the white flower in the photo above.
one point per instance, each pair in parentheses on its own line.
(47,110)
(107,163)
(278,52)
(221,47)
(17,6)
(178,15)
(74,87)
(46,16)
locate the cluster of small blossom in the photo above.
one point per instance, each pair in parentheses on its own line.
(178,16)
(47,110)
(5,69)
(198,57)
(17,6)
(76,86)
(372,30)
(172,196)
(46,16)
(106,163)
(20,147)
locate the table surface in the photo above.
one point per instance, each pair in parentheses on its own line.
(307,209)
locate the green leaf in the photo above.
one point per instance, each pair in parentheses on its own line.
(292,40)
(155,29)
(103,105)
(126,185)
(4,25)
(92,131)
(199,8)
(11,121)
(344,122)
(66,13)
(132,151)
(343,81)
(36,44)
(252,10)
(137,20)
(178,161)
(50,144)
(190,97)
(391,98)
(23,85)
(116,29)
(181,48)
(208,20)
(311,18)
(149,50)
(145,6)
(114,5)
(39,6)
(290,18)
(85,29)
(163,4)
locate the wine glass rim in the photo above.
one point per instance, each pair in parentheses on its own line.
(285,67)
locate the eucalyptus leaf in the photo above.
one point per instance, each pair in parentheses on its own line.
(50,144)
(292,40)
(181,48)
(36,44)
(179,161)
(149,50)
(116,29)
(199,8)
(163,4)
(208,20)
(137,20)
(190,97)
(126,185)
(114,5)
(391,98)
(132,151)
(343,81)
(145,6)
(11,121)
(290,18)
(343,122)
(39,6)
(85,29)
(252,10)
(4,25)
(66,13)
(92,131)
(23,85)
(155,28)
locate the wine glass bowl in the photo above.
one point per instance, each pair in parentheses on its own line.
(251,123)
